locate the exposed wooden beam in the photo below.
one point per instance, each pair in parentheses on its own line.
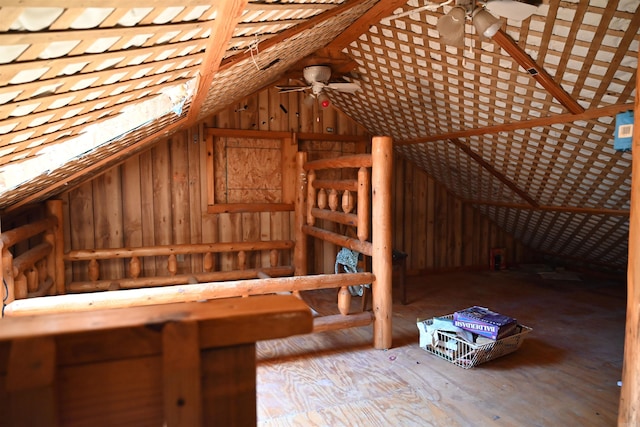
(271,134)
(569,209)
(228,15)
(493,171)
(629,409)
(382,9)
(293,31)
(538,73)
(593,113)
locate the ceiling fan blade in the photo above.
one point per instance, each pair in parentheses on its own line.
(344,87)
(286,89)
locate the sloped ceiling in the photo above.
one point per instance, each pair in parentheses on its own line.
(521,125)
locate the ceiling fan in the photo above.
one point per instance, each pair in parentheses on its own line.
(317,80)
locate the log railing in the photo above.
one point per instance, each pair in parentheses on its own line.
(38,270)
(347,203)
(92,257)
(362,204)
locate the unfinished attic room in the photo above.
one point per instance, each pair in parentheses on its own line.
(319,213)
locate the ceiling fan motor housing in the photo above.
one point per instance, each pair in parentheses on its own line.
(317,74)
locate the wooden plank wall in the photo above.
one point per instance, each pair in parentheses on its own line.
(160,197)
(438,231)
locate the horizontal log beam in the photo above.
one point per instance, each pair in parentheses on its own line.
(180,293)
(335,184)
(249,207)
(339,217)
(15,235)
(353,161)
(272,134)
(186,249)
(593,113)
(178,279)
(570,209)
(338,321)
(338,239)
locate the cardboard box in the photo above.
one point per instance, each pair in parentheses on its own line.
(484,322)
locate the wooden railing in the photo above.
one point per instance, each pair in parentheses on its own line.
(92,257)
(363,204)
(38,270)
(335,201)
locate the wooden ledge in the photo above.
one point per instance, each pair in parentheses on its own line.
(250,319)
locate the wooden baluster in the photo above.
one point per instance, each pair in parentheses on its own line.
(242,260)
(344,300)
(347,201)
(43,271)
(274,257)
(134,267)
(172,265)
(322,198)
(20,285)
(32,279)
(363,204)
(333,200)
(94,270)
(207,262)
(311,197)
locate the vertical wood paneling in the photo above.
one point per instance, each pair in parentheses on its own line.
(159,197)
(430,219)
(180,203)
(108,220)
(147,217)
(162,201)
(131,203)
(194,142)
(456,235)
(420,225)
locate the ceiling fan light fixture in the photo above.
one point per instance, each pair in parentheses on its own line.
(451,26)
(486,24)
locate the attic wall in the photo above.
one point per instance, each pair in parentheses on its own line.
(438,231)
(159,198)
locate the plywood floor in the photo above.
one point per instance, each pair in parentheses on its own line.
(565,373)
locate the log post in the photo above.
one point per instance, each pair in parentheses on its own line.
(382,263)
(7,276)
(94,270)
(629,409)
(32,279)
(300,250)
(311,192)
(20,286)
(207,262)
(56,260)
(363,204)
(274,258)
(134,267)
(172,265)
(344,300)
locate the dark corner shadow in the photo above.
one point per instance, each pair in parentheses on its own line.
(532,352)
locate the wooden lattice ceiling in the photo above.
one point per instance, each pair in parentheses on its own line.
(533,153)
(536,156)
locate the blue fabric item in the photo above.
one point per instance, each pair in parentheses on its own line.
(622,140)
